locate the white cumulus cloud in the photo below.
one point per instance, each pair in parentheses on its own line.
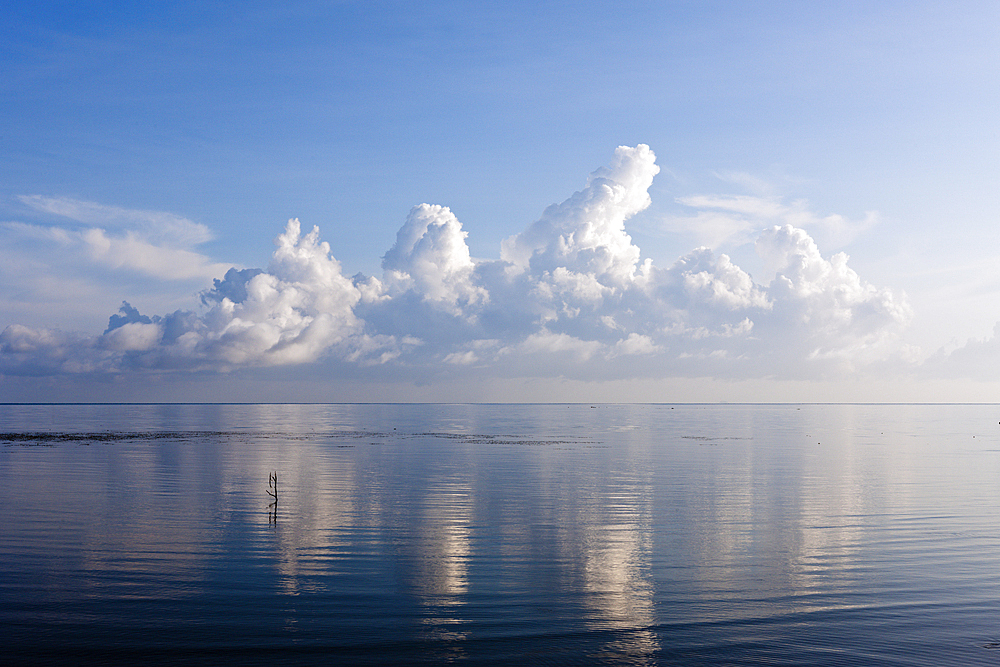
(586,233)
(431,257)
(570,296)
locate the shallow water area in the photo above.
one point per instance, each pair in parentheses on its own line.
(498,534)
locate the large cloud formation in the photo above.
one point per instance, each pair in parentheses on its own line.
(569,296)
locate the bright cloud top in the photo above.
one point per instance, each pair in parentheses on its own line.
(569,296)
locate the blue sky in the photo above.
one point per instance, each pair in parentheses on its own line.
(149,147)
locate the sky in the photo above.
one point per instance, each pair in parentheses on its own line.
(511,202)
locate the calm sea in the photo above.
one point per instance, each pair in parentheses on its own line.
(500,534)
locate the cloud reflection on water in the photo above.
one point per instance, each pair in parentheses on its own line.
(613,544)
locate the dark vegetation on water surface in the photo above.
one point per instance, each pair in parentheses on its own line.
(51,439)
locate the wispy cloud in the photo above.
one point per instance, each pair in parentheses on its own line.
(129,250)
(166,228)
(154,243)
(80,258)
(736,219)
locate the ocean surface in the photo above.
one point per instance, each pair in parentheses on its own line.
(500,534)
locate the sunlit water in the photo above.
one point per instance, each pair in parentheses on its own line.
(532,534)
